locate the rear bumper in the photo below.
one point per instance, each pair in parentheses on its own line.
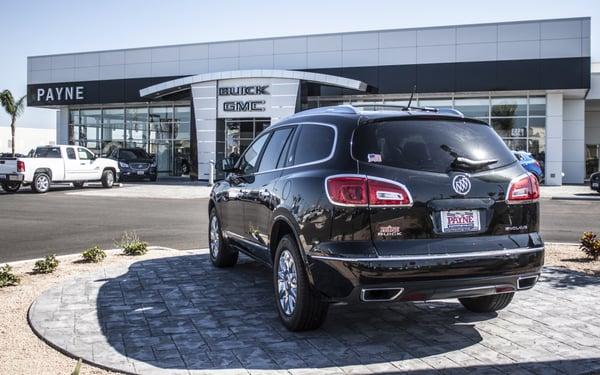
(426,277)
(12,177)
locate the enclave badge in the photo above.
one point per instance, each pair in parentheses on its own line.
(461,184)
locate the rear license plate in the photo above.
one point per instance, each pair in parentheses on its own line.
(460,221)
(140,172)
(13,178)
(594,185)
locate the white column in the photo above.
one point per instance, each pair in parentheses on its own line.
(554,139)
(574,141)
(62,126)
(204,95)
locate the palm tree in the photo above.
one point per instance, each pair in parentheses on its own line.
(14,110)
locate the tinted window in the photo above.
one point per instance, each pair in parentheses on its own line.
(273,150)
(247,164)
(430,145)
(71,153)
(315,142)
(84,154)
(47,152)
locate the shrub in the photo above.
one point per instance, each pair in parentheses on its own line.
(46,265)
(7,277)
(590,245)
(94,255)
(132,245)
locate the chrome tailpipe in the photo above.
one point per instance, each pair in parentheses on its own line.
(526,282)
(380,294)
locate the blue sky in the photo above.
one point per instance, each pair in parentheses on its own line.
(61,26)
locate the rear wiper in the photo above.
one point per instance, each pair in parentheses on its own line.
(464,161)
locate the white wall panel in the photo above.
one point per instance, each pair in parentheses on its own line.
(290,61)
(168,68)
(138,56)
(560,29)
(436,36)
(220,50)
(138,70)
(511,32)
(63,75)
(360,58)
(112,58)
(165,54)
(40,63)
(398,56)
(256,47)
(290,45)
(477,52)
(90,73)
(477,34)
(63,61)
(324,43)
(556,48)
(256,62)
(360,41)
(325,59)
(436,54)
(87,60)
(193,67)
(519,50)
(112,71)
(193,52)
(397,38)
(223,64)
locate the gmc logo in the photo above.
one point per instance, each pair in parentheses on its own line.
(244,106)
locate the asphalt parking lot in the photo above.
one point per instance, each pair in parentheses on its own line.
(67,221)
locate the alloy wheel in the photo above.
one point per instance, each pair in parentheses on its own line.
(287,283)
(215,239)
(41,183)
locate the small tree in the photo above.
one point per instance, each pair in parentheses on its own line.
(14,110)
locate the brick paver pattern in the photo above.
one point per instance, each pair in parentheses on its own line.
(181,315)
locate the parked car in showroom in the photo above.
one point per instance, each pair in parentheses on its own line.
(352,206)
(135,163)
(61,163)
(530,164)
(595,181)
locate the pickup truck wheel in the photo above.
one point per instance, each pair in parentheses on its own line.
(108,178)
(41,183)
(486,304)
(11,187)
(299,308)
(221,255)
(78,184)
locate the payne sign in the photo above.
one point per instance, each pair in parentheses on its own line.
(52,95)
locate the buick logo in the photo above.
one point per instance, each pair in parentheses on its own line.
(461,184)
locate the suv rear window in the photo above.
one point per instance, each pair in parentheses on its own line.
(430,145)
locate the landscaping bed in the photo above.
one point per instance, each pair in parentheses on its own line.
(571,257)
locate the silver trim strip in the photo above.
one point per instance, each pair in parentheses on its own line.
(475,254)
(363,292)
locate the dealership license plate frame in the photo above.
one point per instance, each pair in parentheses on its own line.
(448,227)
(140,173)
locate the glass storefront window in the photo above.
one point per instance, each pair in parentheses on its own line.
(136,126)
(479,108)
(537,127)
(434,103)
(509,107)
(181,123)
(510,126)
(113,129)
(537,106)
(516,144)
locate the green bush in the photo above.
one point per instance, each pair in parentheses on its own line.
(7,277)
(132,245)
(94,255)
(590,245)
(46,265)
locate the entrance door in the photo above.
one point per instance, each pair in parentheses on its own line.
(239,133)
(592,159)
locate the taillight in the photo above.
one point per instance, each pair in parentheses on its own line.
(20,166)
(356,190)
(523,188)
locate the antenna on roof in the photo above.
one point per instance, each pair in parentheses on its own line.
(411,97)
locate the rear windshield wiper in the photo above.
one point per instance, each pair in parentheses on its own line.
(466,162)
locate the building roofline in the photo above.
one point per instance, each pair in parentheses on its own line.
(312,35)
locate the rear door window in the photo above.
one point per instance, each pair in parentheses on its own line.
(273,150)
(71,153)
(431,145)
(315,142)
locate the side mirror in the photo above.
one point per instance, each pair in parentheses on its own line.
(226,165)
(96,156)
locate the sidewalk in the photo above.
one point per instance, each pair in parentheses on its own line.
(570,192)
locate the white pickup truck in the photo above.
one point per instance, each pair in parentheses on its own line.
(61,163)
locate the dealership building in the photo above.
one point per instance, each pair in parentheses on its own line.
(533,81)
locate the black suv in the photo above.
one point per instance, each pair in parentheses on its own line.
(368,206)
(134,163)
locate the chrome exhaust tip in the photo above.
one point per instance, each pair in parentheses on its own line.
(380,294)
(526,282)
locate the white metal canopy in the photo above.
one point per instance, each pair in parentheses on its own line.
(184,83)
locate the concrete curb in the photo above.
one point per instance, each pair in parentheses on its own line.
(576,198)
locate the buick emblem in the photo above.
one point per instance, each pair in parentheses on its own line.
(461,184)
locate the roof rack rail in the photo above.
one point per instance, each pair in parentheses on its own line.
(343,108)
(354,109)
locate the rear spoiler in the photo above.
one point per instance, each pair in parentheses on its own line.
(364,120)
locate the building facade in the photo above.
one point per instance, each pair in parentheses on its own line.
(532,81)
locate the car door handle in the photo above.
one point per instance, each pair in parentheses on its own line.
(83,163)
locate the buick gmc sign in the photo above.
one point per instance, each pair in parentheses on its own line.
(243,104)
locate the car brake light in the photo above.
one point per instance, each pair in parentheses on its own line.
(356,190)
(523,188)
(20,166)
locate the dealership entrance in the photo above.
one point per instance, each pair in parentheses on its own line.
(239,133)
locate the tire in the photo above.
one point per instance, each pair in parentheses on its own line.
(78,184)
(309,311)
(41,183)
(221,255)
(108,178)
(486,304)
(154,178)
(11,187)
